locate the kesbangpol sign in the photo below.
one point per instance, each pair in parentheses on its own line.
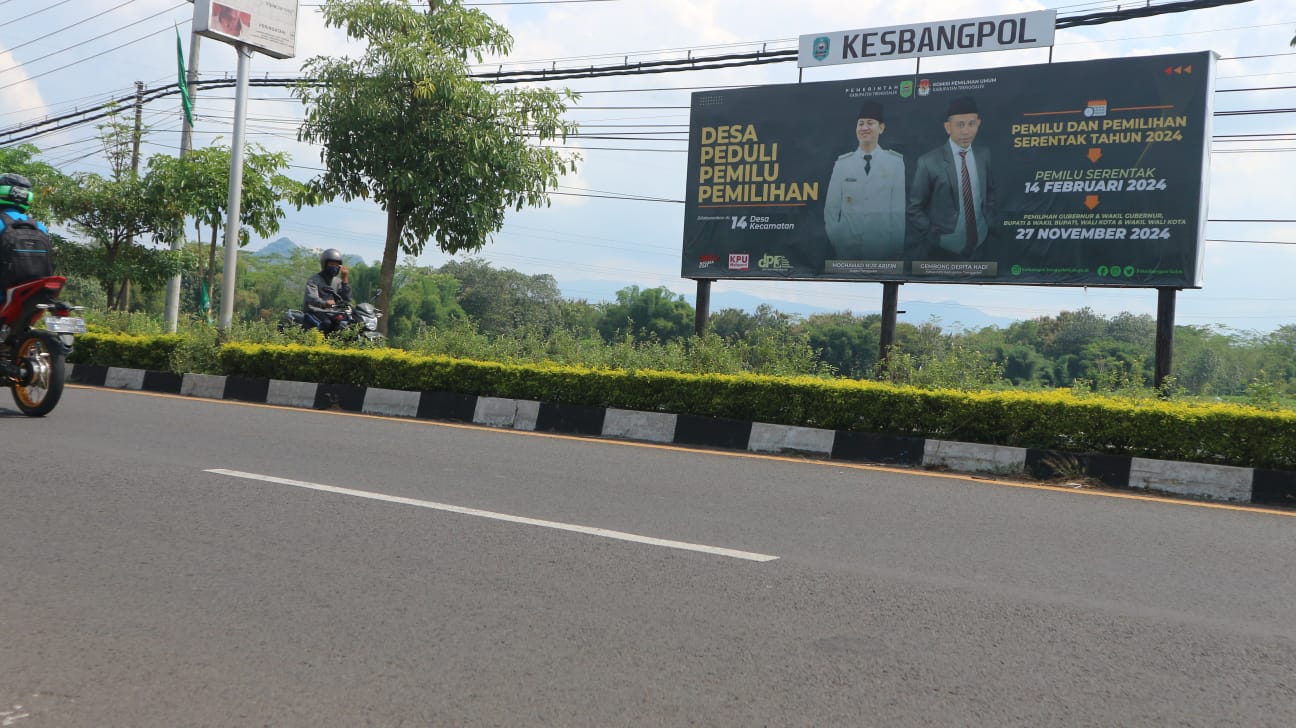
(996,33)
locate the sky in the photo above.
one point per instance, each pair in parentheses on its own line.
(77,53)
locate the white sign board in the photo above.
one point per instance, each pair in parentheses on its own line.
(973,35)
(266,26)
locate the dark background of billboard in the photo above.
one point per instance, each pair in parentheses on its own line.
(814,123)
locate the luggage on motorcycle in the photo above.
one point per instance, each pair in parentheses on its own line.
(26,253)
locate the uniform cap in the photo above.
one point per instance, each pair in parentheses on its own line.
(962,105)
(871,110)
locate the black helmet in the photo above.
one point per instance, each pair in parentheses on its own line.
(15,191)
(330,254)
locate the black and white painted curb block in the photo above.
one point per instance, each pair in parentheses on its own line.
(1195,480)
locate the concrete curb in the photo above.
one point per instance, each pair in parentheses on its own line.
(1195,480)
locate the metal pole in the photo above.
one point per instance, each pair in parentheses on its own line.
(703,311)
(186,144)
(1164,335)
(232,208)
(890,306)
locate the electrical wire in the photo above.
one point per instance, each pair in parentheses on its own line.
(26,16)
(69,65)
(88,40)
(39,38)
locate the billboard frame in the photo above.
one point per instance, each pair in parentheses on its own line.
(1189,75)
(268,27)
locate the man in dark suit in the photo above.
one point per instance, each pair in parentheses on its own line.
(951,205)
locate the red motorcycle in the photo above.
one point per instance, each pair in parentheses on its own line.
(33,361)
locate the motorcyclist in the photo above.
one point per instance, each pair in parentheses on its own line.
(328,290)
(16,197)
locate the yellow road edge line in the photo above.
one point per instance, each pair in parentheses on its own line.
(984,479)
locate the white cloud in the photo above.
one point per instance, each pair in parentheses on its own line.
(23,99)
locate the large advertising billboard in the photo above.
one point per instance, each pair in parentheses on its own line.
(268,26)
(1077,174)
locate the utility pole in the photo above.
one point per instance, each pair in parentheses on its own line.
(186,144)
(139,127)
(123,299)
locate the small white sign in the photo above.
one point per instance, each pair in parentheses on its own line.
(267,26)
(973,35)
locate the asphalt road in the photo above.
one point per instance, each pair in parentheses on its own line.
(342,570)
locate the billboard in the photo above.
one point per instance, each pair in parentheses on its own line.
(267,26)
(1078,174)
(974,35)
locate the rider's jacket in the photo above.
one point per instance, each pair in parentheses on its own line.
(320,289)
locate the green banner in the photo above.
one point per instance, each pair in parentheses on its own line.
(1075,174)
(186,102)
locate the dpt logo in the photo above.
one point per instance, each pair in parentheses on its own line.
(821,45)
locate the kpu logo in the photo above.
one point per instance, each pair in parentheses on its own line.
(739,261)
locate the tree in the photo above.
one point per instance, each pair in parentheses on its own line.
(21,159)
(442,154)
(112,212)
(733,324)
(1133,329)
(504,301)
(197,185)
(579,318)
(426,299)
(647,314)
(847,342)
(1069,331)
(275,282)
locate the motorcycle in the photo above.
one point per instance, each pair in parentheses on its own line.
(359,321)
(33,361)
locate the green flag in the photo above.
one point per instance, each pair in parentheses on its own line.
(185,101)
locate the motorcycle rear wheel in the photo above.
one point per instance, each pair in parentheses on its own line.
(44,372)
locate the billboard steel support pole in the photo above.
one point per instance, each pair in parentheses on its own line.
(232,208)
(890,305)
(1164,335)
(703,306)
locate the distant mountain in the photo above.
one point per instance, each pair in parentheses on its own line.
(950,315)
(286,248)
(283,247)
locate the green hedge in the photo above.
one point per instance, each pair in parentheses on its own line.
(157,353)
(1054,420)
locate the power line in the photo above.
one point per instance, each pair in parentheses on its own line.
(39,38)
(97,37)
(1091,19)
(171,89)
(25,16)
(60,68)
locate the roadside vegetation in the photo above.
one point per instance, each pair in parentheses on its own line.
(469,309)
(122,236)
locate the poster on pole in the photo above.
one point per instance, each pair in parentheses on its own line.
(267,26)
(1078,174)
